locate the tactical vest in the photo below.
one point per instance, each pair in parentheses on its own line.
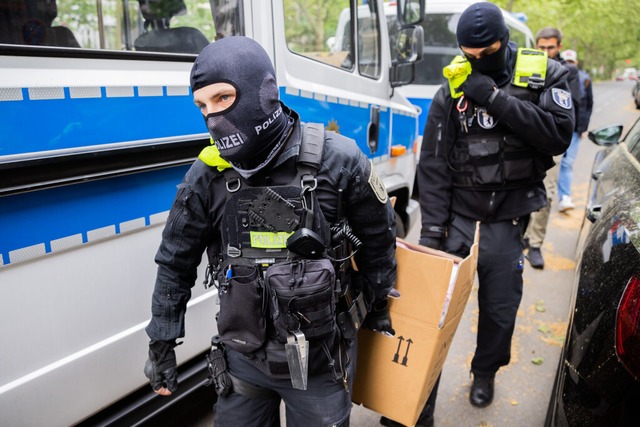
(283,276)
(488,158)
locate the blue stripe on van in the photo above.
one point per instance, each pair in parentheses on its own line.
(51,124)
(424,105)
(42,216)
(39,217)
(350,120)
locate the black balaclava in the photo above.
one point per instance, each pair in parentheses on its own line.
(250,132)
(481,25)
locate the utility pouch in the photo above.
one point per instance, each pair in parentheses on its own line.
(349,321)
(519,160)
(242,319)
(484,155)
(302,298)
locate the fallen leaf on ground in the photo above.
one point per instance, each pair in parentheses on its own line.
(543,328)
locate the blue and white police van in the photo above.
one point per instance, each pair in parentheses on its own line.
(97,128)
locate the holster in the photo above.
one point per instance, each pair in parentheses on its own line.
(350,320)
(217,366)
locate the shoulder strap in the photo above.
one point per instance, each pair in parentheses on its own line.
(312,145)
(309,158)
(310,155)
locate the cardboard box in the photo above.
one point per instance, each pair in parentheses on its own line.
(395,375)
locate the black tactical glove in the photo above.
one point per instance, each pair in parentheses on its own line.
(161,367)
(479,88)
(378,318)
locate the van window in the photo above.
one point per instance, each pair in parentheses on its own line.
(519,37)
(175,26)
(440,46)
(368,39)
(331,41)
(311,32)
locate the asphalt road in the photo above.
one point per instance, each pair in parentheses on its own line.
(523,387)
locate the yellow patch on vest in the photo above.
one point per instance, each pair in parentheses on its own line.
(269,240)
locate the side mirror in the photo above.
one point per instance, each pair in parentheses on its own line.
(408,50)
(410,12)
(409,43)
(606,136)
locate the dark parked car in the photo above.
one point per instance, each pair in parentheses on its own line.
(636,94)
(598,377)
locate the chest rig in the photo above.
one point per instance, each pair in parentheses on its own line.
(263,225)
(279,274)
(486,155)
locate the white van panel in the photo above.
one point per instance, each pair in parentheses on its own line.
(62,343)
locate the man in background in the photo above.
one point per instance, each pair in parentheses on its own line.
(549,39)
(583,116)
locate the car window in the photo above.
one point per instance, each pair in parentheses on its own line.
(173,26)
(519,37)
(633,140)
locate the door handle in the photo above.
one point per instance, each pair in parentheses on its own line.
(373,129)
(593,212)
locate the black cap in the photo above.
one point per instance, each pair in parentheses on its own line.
(481,25)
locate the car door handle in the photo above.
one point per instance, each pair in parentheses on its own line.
(373,130)
(593,212)
(593,208)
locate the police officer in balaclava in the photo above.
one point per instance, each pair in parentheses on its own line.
(243,191)
(487,144)
(252,130)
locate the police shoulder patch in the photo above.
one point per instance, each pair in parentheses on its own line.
(377,186)
(562,98)
(484,119)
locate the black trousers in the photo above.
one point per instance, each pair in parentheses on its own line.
(324,403)
(500,267)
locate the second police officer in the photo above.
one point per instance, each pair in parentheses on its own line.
(487,145)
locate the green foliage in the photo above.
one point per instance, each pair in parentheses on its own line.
(604,32)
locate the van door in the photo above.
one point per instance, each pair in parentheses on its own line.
(335,70)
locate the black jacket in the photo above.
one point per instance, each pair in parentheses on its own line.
(545,126)
(195,219)
(574,86)
(586,102)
